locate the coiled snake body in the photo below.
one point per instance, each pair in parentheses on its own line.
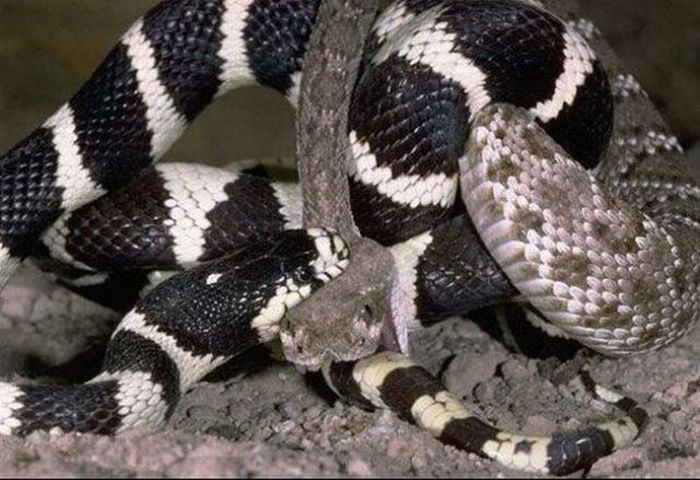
(607,256)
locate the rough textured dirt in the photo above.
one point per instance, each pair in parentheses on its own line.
(255,417)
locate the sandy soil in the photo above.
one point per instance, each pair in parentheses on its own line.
(255,417)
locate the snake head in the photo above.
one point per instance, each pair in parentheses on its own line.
(350,317)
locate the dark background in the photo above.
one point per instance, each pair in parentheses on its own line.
(48,47)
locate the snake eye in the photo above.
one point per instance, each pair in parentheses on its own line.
(367,311)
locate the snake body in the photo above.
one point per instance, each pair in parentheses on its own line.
(432,69)
(176,216)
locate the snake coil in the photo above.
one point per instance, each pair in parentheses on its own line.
(564,202)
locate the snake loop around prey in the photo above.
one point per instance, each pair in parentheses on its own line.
(606,255)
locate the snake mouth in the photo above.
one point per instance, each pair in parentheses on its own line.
(392,338)
(394,335)
(367,326)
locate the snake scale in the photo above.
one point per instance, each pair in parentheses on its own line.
(586,215)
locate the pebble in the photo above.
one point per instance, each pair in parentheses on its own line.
(678,417)
(357,467)
(694,400)
(419,461)
(227,431)
(539,425)
(202,412)
(284,427)
(290,409)
(469,369)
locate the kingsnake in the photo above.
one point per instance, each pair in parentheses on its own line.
(434,71)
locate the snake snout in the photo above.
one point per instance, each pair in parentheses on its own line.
(312,341)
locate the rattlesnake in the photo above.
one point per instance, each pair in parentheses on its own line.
(435,58)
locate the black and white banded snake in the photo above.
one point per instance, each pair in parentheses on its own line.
(58,146)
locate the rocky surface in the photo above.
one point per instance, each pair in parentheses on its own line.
(256,417)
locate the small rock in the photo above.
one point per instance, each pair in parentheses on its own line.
(419,461)
(202,411)
(290,409)
(284,427)
(539,425)
(469,369)
(485,392)
(676,391)
(356,467)
(694,400)
(514,369)
(226,431)
(385,424)
(693,387)
(678,417)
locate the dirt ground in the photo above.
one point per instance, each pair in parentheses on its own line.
(255,417)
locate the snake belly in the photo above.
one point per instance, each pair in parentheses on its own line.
(431,68)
